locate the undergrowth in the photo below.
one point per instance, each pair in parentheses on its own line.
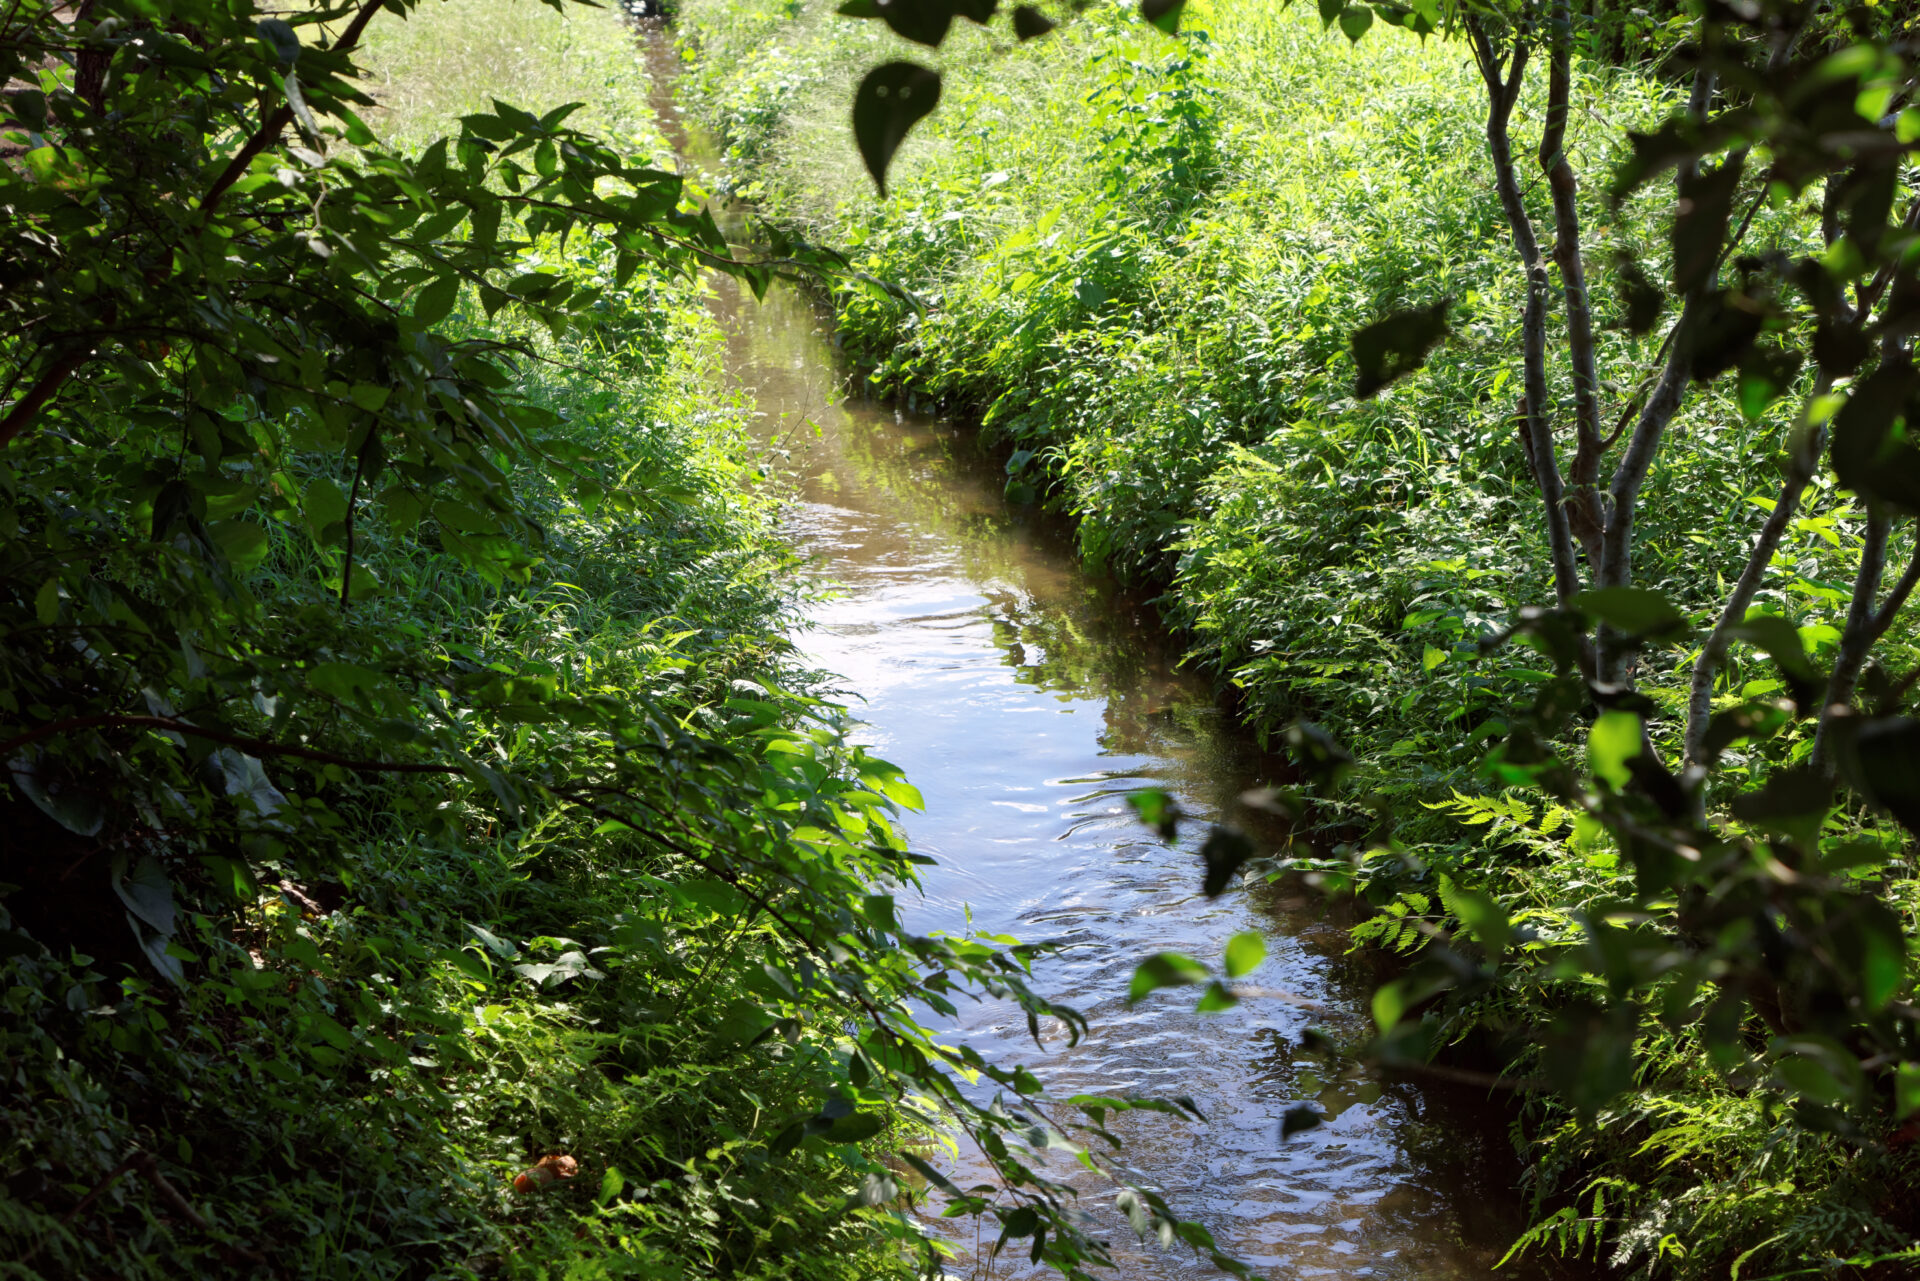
(328,1023)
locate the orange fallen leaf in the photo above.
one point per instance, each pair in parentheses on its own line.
(548,1169)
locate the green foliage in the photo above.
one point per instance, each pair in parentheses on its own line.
(390,1001)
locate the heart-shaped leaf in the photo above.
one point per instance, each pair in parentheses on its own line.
(1029,23)
(891,99)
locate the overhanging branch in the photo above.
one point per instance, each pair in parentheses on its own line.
(259,746)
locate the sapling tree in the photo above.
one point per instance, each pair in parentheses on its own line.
(1749,928)
(1721,326)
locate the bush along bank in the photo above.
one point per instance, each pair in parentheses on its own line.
(298,1015)
(336,1011)
(1149,266)
(423,857)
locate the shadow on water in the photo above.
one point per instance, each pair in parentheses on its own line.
(1025,697)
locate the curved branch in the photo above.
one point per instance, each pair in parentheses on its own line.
(260,746)
(274,125)
(44,389)
(1706,668)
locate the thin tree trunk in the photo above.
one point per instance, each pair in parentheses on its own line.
(1866,624)
(1616,556)
(1503,90)
(1800,468)
(1856,639)
(1584,512)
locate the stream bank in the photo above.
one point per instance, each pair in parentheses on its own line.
(1026,696)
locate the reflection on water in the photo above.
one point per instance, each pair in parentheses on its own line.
(1025,698)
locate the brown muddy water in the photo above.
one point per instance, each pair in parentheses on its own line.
(1025,697)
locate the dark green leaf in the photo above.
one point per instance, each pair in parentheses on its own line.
(1767,371)
(1700,221)
(1157,810)
(1792,800)
(1317,752)
(1780,640)
(1394,346)
(891,99)
(856,1127)
(148,894)
(434,302)
(1640,299)
(494,943)
(1635,611)
(58,795)
(1029,23)
(1225,852)
(1484,918)
(1164,969)
(1296,1120)
(1886,753)
(1164,14)
(281,38)
(1216,997)
(1869,457)
(921,21)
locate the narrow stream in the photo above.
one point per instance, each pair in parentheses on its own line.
(1025,697)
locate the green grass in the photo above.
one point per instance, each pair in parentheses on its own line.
(451,57)
(1141,259)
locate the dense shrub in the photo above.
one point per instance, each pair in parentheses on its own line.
(306,997)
